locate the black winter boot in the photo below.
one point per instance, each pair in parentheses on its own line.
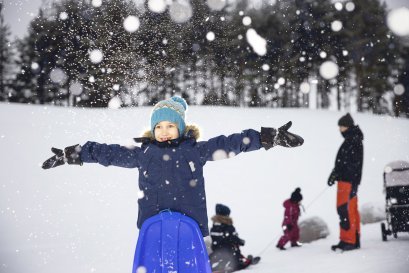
(343,246)
(358,240)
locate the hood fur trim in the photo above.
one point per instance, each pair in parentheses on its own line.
(194,130)
(227,220)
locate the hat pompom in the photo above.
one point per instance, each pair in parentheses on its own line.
(180,100)
(296,196)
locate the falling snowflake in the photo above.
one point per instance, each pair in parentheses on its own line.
(219,154)
(329,70)
(192,166)
(180,11)
(96,3)
(75,88)
(398,21)
(246,140)
(350,6)
(258,43)
(210,36)
(305,87)
(336,25)
(157,6)
(141,269)
(399,89)
(131,23)
(63,16)
(281,81)
(246,20)
(96,56)
(338,6)
(140,194)
(216,4)
(35,66)
(57,75)
(115,103)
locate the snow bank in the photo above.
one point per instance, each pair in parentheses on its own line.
(372,213)
(312,229)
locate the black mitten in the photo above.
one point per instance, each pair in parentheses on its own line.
(271,137)
(71,155)
(289,227)
(242,242)
(332,178)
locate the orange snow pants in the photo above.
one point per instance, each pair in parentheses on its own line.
(347,207)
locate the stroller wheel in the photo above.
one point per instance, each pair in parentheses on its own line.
(384,232)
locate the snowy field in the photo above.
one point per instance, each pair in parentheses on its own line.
(83,219)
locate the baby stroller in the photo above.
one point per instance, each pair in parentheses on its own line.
(396,187)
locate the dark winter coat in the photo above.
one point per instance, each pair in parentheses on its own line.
(171,173)
(226,255)
(349,160)
(291,213)
(224,234)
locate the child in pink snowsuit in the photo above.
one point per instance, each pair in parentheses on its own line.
(290,222)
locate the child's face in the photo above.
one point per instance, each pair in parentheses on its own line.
(165,131)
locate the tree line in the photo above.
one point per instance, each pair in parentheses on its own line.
(54,62)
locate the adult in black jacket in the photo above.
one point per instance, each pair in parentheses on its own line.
(348,172)
(226,255)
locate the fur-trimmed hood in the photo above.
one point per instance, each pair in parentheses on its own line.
(190,131)
(227,220)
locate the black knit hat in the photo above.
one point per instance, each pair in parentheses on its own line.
(296,195)
(346,121)
(222,210)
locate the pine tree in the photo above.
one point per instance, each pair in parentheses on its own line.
(34,60)
(371,52)
(5,56)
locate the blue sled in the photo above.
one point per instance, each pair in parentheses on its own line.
(171,242)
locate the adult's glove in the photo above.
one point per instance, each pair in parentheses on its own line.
(289,227)
(242,242)
(71,155)
(271,137)
(332,178)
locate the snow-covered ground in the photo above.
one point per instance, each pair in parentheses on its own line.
(83,219)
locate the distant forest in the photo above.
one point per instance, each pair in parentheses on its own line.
(80,54)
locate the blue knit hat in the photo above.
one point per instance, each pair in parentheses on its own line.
(172,110)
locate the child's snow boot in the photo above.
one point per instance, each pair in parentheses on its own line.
(280,247)
(255,260)
(296,244)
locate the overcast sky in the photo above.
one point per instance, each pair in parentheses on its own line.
(19,13)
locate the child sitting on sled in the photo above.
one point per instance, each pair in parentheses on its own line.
(226,255)
(290,222)
(170,159)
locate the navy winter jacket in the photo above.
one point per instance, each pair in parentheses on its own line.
(171,173)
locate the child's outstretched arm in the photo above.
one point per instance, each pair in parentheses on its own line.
(249,140)
(221,147)
(93,152)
